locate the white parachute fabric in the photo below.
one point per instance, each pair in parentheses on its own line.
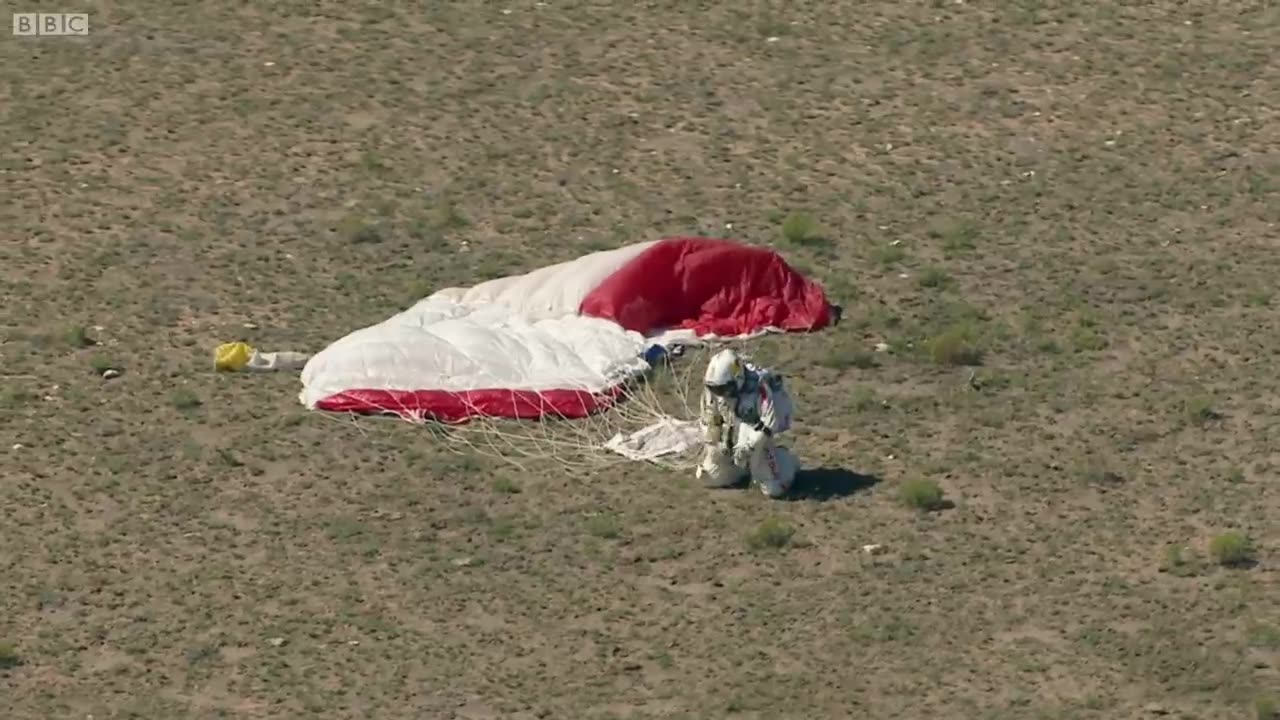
(553,291)
(667,437)
(510,334)
(449,346)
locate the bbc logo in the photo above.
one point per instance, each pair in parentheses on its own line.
(51,23)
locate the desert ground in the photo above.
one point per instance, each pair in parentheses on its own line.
(1056,220)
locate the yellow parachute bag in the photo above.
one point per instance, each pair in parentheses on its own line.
(232,357)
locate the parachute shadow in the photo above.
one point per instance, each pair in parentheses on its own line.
(828,483)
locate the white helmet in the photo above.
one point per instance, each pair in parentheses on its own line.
(724,374)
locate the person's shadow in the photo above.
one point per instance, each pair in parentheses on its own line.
(827,483)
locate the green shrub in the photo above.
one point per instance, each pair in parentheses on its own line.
(956,346)
(772,534)
(934,278)
(604,526)
(9,657)
(1231,549)
(922,494)
(1266,707)
(802,229)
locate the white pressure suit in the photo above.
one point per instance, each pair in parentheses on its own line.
(744,409)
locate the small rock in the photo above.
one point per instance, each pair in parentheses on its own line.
(110,374)
(17,446)
(276,641)
(353,642)
(873,549)
(462,562)
(251,326)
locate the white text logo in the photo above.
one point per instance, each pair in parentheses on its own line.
(51,23)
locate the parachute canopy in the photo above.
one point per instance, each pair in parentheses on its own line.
(561,340)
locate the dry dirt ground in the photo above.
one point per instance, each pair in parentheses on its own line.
(1081,197)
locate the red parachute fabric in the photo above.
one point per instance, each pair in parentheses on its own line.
(458,406)
(711,286)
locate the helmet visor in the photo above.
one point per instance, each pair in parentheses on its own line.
(722,389)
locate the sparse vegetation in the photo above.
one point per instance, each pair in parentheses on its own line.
(956,237)
(1263,635)
(1179,561)
(505,485)
(604,525)
(1258,299)
(449,216)
(1232,549)
(844,357)
(800,228)
(1087,339)
(934,277)
(359,231)
(921,494)
(15,397)
(1199,410)
(1100,472)
(863,399)
(185,399)
(956,345)
(771,534)
(863,360)
(78,337)
(1266,707)
(888,255)
(9,657)
(346,528)
(102,363)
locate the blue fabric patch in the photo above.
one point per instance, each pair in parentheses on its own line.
(654,353)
